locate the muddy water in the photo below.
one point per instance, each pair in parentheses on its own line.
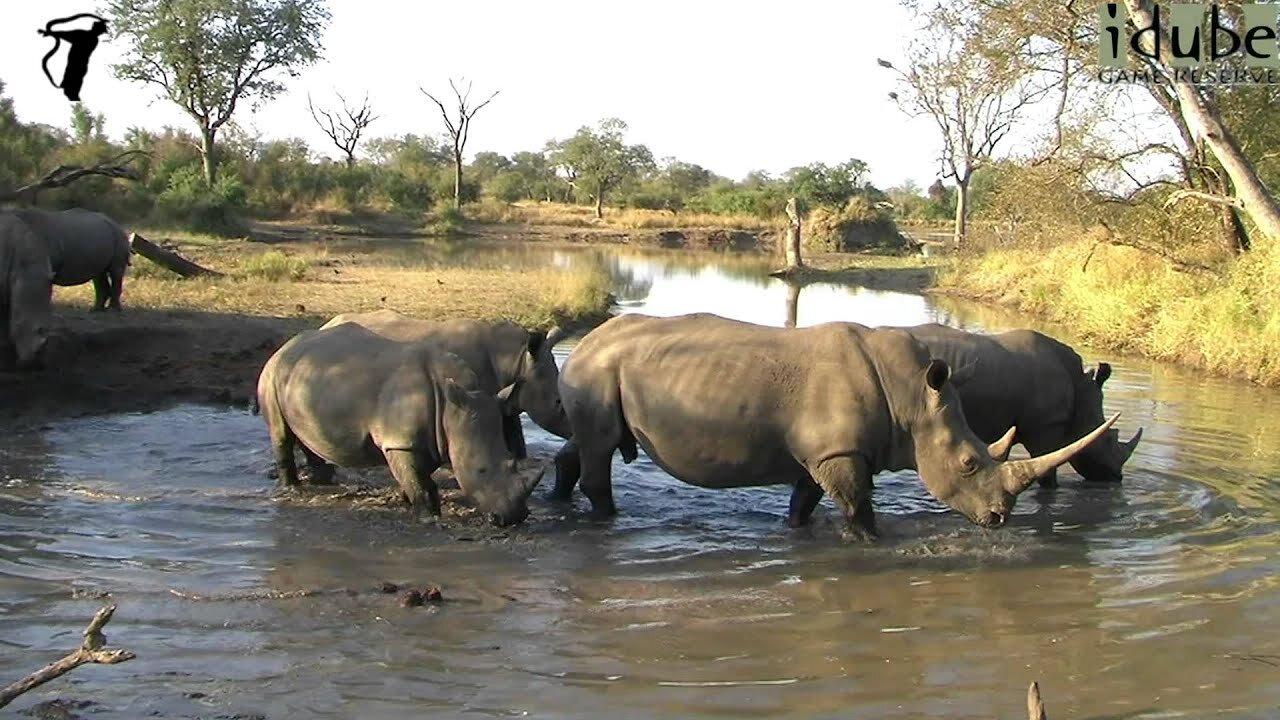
(1152,599)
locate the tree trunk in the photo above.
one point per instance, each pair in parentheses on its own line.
(962,211)
(791,244)
(207,151)
(167,259)
(1203,120)
(600,204)
(351,160)
(457,182)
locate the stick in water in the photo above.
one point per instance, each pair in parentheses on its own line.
(91,650)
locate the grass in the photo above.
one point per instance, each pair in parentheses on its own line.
(1129,301)
(311,279)
(565,215)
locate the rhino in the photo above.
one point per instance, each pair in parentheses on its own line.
(722,403)
(500,353)
(1028,379)
(83,245)
(26,295)
(351,397)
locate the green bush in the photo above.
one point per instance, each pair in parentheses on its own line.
(274,266)
(189,203)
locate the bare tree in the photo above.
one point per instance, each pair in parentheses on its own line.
(64,175)
(459,128)
(344,127)
(975,97)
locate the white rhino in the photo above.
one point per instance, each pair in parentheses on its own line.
(26,295)
(351,397)
(721,403)
(83,245)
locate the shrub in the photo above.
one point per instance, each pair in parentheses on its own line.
(274,266)
(856,225)
(188,202)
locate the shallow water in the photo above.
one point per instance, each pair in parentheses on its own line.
(1152,599)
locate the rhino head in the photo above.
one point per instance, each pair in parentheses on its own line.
(972,478)
(1102,461)
(537,387)
(472,421)
(30,299)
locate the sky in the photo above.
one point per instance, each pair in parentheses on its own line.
(731,85)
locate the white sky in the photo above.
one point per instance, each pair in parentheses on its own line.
(731,85)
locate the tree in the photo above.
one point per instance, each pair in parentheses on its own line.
(210,57)
(344,127)
(86,126)
(458,129)
(975,94)
(600,159)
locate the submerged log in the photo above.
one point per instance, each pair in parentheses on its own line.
(91,650)
(167,258)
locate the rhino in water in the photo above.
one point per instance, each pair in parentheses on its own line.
(1028,379)
(500,353)
(356,399)
(83,245)
(721,403)
(26,295)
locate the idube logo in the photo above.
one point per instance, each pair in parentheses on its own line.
(1242,49)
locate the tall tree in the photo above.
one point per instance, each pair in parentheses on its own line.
(600,159)
(210,57)
(344,126)
(459,128)
(975,95)
(85,125)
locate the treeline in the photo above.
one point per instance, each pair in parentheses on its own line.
(413,175)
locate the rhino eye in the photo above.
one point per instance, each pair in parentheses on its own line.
(968,464)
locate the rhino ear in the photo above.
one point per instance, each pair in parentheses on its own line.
(509,400)
(1104,372)
(536,340)
(937,373)
(455,369)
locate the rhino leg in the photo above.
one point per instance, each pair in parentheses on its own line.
(513,433)
(414,477)
(597,482)
(568,470)
(804,499)
(282,444)
(319,471)
(101,292)
(117,285)
(847,479)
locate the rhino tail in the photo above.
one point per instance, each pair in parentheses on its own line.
(254,407)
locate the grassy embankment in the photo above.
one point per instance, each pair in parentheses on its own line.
(1226,321)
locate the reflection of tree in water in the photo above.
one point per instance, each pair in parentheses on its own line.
(628,286)
(793,304)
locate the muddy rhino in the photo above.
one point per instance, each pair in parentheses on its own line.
(353,398)
(500,353)
(26,295)
(721,403)
(1028,379)
(83,245)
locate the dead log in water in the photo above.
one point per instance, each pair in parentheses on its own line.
(91,650)
(1035,708)
(167,258)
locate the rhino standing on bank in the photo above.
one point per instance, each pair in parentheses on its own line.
(26,295)
(500,353)
(721,403)
(83,245)
(1028,379)
(356,399)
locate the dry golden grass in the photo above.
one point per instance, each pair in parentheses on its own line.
(564,215)
(313,280)
(1128,300)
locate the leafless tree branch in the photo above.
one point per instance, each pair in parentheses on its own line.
(64,175)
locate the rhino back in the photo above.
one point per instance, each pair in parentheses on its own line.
(82,244)
(472,340)
(720,403)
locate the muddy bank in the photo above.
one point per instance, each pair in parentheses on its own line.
(686,238)
(144,359)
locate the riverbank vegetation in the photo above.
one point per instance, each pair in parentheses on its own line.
(1140,215)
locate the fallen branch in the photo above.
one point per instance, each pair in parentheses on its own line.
(91,650)
(1178,196)
(1177,263)
(64,175)
(167,258)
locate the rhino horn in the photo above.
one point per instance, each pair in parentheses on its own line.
(555,335)
(999,450)
(1021,473)
(1130,446)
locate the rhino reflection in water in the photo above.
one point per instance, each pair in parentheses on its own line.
(1028,379)
(351,397)
(720,403)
